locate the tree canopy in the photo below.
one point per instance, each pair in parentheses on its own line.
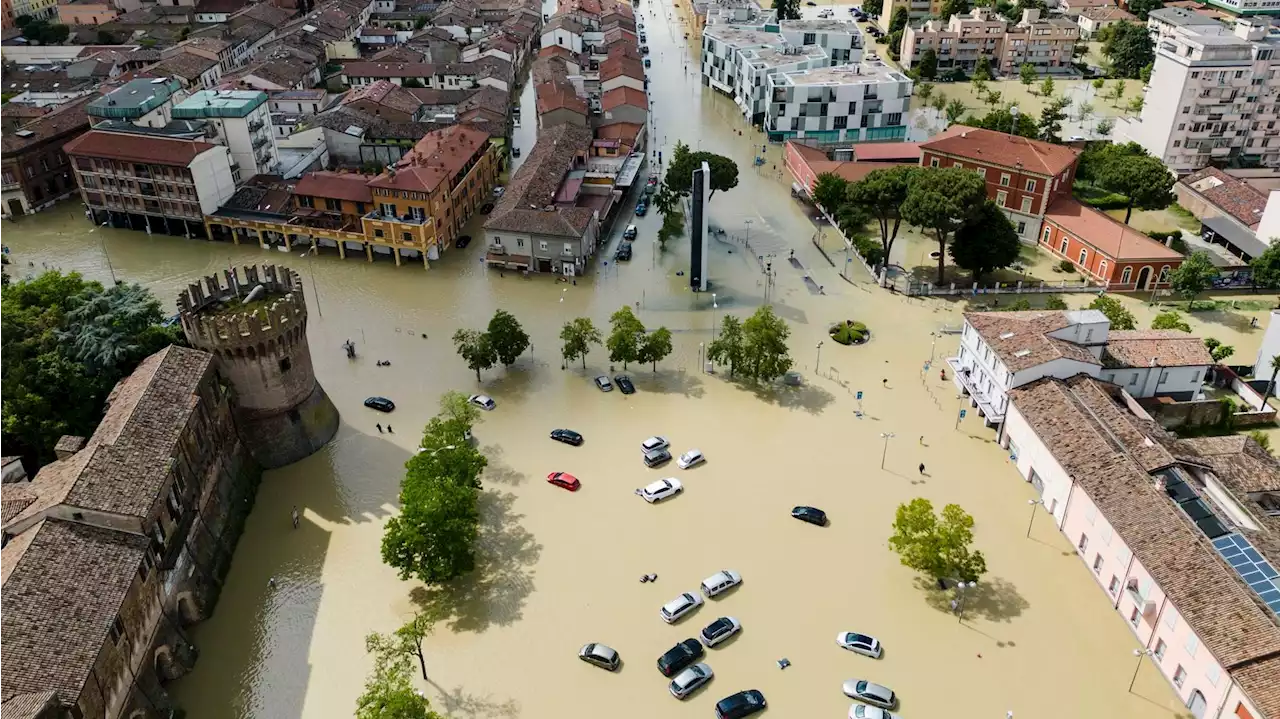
(873,7)
(1052,117)
(928,65)
(508,338)
(729,347)
(1128,170)
(1266,267)
(1129,48)
(724,171)
(1170,320)
(578,335)
(476,349)
(1120,317)
(987,242)
(1194,275)
(829,190)
(899,19)
(954,7)
(936,546)
(787,9)
(1143,8)
(1002,120)
(655,347)
(625,336)
(881,194)
(388,691)
(1027,73)
(764,336)
(940,201)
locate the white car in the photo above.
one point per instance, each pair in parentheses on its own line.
(692,458)
(688,681)
(871,693)
(720,630)
(654,443)
(673,610)
(864,711)
(483,401)
(860,644)
(662,489)
(721,581)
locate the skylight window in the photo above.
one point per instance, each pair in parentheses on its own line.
(1022,353)
(1005,335)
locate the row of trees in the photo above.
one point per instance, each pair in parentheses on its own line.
(64,344)
(504,340)
(949,204)
(628,340)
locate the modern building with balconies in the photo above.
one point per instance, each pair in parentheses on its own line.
(240,120)
(1212,98)
(865,101)
(1047,44)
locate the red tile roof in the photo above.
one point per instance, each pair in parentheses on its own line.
(143,149)
(1233,196)
(625,131)
(348,186)
(1001,149)
(437,157)
(559,96)
(1114,239)
(619,96)
(626,66)
(879,151)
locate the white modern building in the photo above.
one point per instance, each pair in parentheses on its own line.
(863,101)
(240,120)
(1000,351)
(1212,95)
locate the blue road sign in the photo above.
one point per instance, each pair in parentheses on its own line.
(962,413)
(859,394)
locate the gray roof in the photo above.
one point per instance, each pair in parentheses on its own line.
(1181,17)
(1236,234)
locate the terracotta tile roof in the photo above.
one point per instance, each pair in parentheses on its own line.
(348,186)
(549,69)
(1259,682)
(622,65)
(553,96)
(66,119)
(385,93)
(625,49)
(486,98)
(49,648)
(1098,230)
(563,22)
(533,187)
(186,65)
(878,151)
(28,706)
(435,96)
(1021,339)
(436,158)
(1003,150)
(1104,449)
(1108,13)
(848,170)
(1169,348)
(399,53)
(624,131)
(1238,460)
(558,51)
(137,148)
(1233,196)
(619,96)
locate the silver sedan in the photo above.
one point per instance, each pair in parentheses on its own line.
(688,681)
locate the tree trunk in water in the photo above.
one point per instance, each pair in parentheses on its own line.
(942,260)
(1128,212)
(584,360)
(478,374)
(423,663)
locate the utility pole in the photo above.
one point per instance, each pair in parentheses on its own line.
(886,436)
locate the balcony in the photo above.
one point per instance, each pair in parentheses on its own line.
(986,402)
(255,125)
(259,141)
(400,219)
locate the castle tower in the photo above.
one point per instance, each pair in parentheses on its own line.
(281,411)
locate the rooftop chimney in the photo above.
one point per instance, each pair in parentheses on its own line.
(68,445)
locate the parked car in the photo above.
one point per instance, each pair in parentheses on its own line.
(720,630)
(630,233)
(600,655)
(483,401)
(642,208)
(655,492)
(860,644)
(462,241)
(871,693)
(812,515)
(624,384)
(603,383)
(864,711)
(497,191)
(720,582)
(673,610)
(689,680)
(742,704)
(564,480)
(657,458)
(382,404)
(567,436)
(623,254)
(679,657)
(692,458)
(646,62)
(644,49)
(486,208)
(655,442)
(643,38)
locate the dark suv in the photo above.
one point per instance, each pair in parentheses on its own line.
(742,704)
(679,657)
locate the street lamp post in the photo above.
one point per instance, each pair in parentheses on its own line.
(1139,653)
(964,587)
(1033,503)
(714,307)
(933,347)
(311,270)
(702,363)
(818,360)
(886,436)
(747,222)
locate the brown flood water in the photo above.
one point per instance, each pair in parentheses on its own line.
(558,570)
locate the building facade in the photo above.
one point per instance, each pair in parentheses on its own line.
(864,101)
(240,120)
(1110,253)
(1047,44)
(36,171)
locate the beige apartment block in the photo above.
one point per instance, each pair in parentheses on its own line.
(1048,44)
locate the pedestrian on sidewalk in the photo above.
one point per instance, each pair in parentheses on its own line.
(922,440)
(389,430)
(922,468)
(885,383)
(379,426)
(295,516)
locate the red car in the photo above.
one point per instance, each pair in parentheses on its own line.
(564,480)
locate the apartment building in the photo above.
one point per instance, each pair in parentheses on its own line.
(36,171)
(1246,7)
(35,9)
(1048,44)
(86,12)
(1023,176)
(149,181)
(146,102)
(1212,96)
(865,101)
(915,9)
(240,120)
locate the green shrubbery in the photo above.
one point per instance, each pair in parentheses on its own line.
(850,333)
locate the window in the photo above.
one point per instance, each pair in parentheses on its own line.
(1133,617)
(408,236)
(1160,648)
(332,204)
(117,631)
(810,38)
(840,122)
(1164,273)
(568,248)
(1106,535)
(1097,564)
(1031,185)
(1045,238)
(1026,205)
(1214,674)
(1193,644)
(519,242)
(982,172)
(377,233)
(1102,271)
(1083,256)
(542,245)
(1133,381)
(1179,677)
(1125,275)
(1114,585)
(1083,544)
(933,161)
(1022,228)
(958,165)
(1164,376)
(1002,198)
(1004,180)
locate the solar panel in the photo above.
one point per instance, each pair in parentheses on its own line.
(1252,567)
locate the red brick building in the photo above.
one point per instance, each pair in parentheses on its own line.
(1110,253)
(1023,176)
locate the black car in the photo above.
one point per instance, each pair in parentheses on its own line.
(812,515)
(567,436)
(644,49)
(623,254)
(486,208)
(624,384)
(462,241)
(679,657)
(382,404)
(656,458)
(742,704)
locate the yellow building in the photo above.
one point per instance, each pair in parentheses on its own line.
(35,9)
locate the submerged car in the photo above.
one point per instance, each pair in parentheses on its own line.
(600,655)
(630,233)
(864,711)
(871,693)
(567,436)
(624,382)
(692,458)
(462,242)
(564,480)
(673,610)
(382,404)
(812,515)
(655,492)
(742,704)
(656,458)
(689,680)
(860,644)
(603,383)
(655,442)
(483,401)
(720,630)
(679,657)
(720,582)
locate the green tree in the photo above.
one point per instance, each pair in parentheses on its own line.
(1136,105)
(982,69)
(414,633)
(508,338)
(672,226)
(420,22)
(1266,267)
(1128,170)
(1054,302)
(1003,120)
(1129,48)
(666,199)
(873,7)
(578,336)
(724,171)
(939,102)
(954,111)
(1145,73)
(899,20)
(993,98)
(455,405)
(940,201)
(979,84)
(829,190)
(624,339)
(1217,350)
(1193,276)
(729,347)
(1271,384)
(928,66)
(1105,126)
(954,7)
(787,9)
(924,90)
(1027,74)
(655,347)
(939,547)
(1047,87)
(881,194)
(987,242)
(1051,119)
(433,537)
(1142,8)
(894,41)
(764,345)
(388,691)
(1121,318)
(1262,438)
(1171,320)
(476,349)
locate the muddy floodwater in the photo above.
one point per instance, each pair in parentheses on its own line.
(559,569)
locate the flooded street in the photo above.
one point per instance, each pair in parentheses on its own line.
(557,570)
